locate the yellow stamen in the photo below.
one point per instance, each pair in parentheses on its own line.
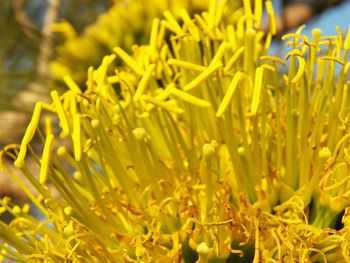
(189,24)
(231,36)
(186,18)
(248,13)
(60,112)
(341,62)
(294,52)
(234,58)
(45,161)
(154,34)
(203,76)
(257,90)
(310,44)
(144,82)
(71,84)
(33,124)
(29,134)
(268,67)
(300,29)
(268,41)
(174,26)
(347,40)
(129,60)
(90,80)
(161,33)
(2,166)
(202,24)
(325,43)
(240,24)
(73,104)
(212,12)
(273,58)
(292,35)
(219,53)
(48,107)
(271,14)
(48,126)
(164,54)
(340,37)
(162,104)
(257,12)
(188,97)
(77,137)
(113,79)
(229,93)
(301,69)
(347,67)
(186,65)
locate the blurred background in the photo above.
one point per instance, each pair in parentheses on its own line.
(41,41)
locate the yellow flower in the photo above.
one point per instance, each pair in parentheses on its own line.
(196,147)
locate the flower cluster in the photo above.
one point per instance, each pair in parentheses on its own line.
(200,147)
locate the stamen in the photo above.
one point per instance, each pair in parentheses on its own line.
(48,126)
(154,34)
(45,161)
(129,61)
(293,35)
(273,58)
(144,82)
(29,134)
(347,40)
(203,76)
(189,24)
(341,62)
(90,78)
(71,84)
(162,104)
(268,67)
(294,52)
(229,93)
(186,65)
(77,138)
(257,90)
(257,13)
(219,54)
(301,69)
(174,26)
(60,112)
(248,12)
(233,59)
(271,14)
(231,36)
(188,97)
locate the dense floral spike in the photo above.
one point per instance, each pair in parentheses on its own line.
(197,149)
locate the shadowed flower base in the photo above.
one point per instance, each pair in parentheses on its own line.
(197,149)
